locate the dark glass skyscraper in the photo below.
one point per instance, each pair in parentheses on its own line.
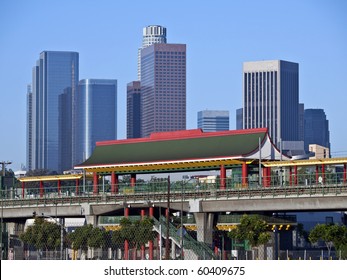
(96,115)
(54,72)
(271,98)
(316,128)
(134,109)
(163,88)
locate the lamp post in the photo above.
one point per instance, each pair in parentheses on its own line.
(3,163)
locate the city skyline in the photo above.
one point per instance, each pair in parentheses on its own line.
(311,33)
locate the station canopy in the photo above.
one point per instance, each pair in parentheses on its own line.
(186,150)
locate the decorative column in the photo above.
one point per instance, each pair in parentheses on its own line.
(295,175)
(317,174)
(77,186)
(151,241)
(142,246)
(244,174)
(290,176)
(223,176)
(41,189)
(266,176)
(59,187)
(23,189)
(114,182)
(126,242)
(133,180)
(323,174)
(345,172)
(95,183)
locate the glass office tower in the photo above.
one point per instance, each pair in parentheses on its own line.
(163,88)
(96,115)
(54,72)
(271,98)
(134,109)
(213,120)
(316,128)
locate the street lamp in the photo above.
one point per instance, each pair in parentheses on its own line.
(3,163)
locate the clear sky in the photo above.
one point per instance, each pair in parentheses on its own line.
(220,36)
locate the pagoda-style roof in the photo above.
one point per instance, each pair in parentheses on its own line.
(180,150)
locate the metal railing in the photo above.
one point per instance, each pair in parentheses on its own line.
(305,185)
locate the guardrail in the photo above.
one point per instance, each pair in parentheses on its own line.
(159,194)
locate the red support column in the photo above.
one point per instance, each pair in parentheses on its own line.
(244,174)
(223,176)
(266,176)
(133,180)
(126,242)
(77,186)
(323,174)
(114,183)
(143,249)
(23,189)
(317,174)
(41,189)
(95,183)
(151,242)
(290,176)
(295,175)
(345,173)
(59,187)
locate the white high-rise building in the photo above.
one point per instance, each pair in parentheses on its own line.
(152,34)
(271,98)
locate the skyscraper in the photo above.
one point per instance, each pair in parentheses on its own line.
(271,98)
(213,120)
(316,128)
(239,118)
(134,109)
(29,144)
(163,88)
(54,72)
(96,115)
(152,34)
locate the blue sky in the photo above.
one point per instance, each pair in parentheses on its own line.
(220,36)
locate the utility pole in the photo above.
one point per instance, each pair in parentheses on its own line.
(3,163)
(167,240)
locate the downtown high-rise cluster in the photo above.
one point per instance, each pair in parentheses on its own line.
(67,116)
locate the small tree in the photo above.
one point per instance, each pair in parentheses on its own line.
(331,234)
(253,229)
(43,235)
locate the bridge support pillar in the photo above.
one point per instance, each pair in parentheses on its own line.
(92,220)
(204,223)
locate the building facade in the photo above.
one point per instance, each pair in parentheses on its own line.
(96,115)
(29,129)
(316,128)
(54,72)
(213,120)
(152,34)
(239,118)
(271,98)
(163,88)
(134,109)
